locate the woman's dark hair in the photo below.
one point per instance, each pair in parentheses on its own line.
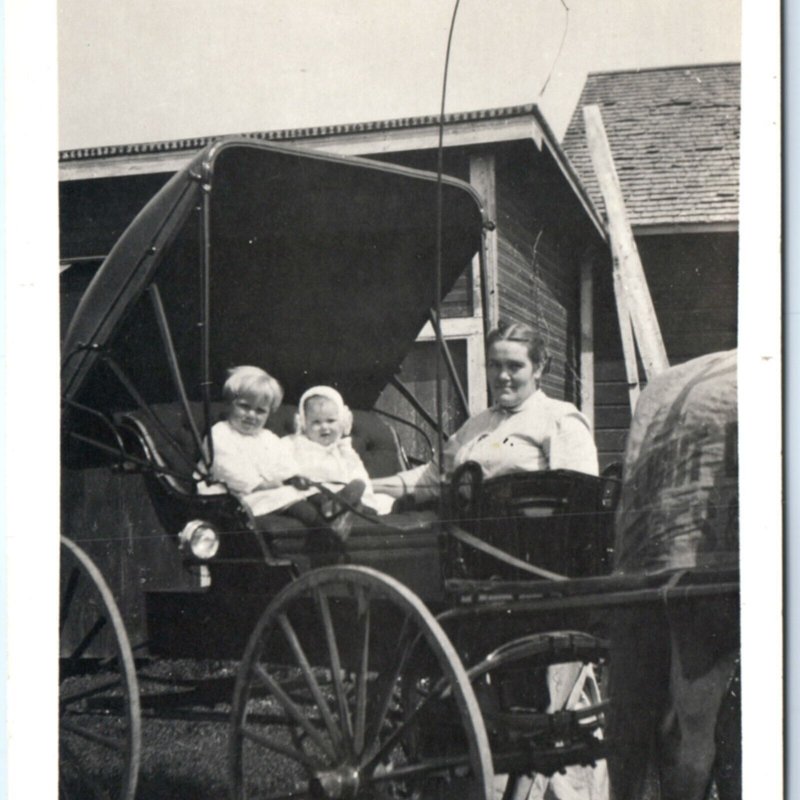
(524,334)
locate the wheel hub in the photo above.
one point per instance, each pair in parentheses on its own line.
(335,784)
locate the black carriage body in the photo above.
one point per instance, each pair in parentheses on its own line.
(317,268)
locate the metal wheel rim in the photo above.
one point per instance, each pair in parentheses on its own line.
(128,682)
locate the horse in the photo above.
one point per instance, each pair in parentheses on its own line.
(675,719)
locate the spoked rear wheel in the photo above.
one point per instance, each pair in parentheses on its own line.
(99,718)
(561,740)
(342,681)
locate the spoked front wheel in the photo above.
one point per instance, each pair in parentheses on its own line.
(99,716)
(345,678)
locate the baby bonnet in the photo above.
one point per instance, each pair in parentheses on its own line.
(329,393)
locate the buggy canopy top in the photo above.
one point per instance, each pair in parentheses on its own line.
(319,268)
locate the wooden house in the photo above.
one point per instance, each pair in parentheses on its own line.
(674,135)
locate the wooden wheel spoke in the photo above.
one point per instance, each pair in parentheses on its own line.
(311,681)
(387,682)
(68,699)
(298,737)
(87,640)
(294,712)
(363,673)
(279,747)
(422,769)
(118,745)
(68,596)
(335,665)
(438,692)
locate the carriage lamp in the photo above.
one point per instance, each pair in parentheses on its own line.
(200,538)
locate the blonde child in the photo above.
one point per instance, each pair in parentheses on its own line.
(322,447)
(258,466)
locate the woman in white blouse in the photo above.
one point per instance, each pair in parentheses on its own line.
(523,431)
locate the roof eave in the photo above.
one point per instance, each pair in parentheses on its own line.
(517,123)
(667,228)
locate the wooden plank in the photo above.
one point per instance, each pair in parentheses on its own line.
(626,334)
(612,417)
(692,228)
(632,281)
(611,441)
(482,177)
(611,394)
(586,316)
(608,370)
(458,301)
(476,373)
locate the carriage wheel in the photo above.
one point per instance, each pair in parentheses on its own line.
(344,673)
(99,718)
(594,777)
(579,692)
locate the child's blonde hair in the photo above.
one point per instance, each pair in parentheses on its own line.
(253,383)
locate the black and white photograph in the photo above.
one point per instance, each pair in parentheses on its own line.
(388,401)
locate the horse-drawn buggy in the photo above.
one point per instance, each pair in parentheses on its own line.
(410,661)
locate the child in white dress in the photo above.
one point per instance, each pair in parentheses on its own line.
(323,450)
(259,467)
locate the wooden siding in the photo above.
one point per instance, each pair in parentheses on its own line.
(693,281)
(538,275)
(93,214)
(458,302)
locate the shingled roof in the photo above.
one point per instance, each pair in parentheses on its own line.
(674,134)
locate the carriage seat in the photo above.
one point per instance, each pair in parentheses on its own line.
(171,444)
(559,520)
(403,545)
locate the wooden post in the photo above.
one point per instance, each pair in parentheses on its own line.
(587,337)
(626,333)
(476,373)
(476,355)
(628,265)
(482,177)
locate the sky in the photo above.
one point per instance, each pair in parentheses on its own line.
(144,70)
